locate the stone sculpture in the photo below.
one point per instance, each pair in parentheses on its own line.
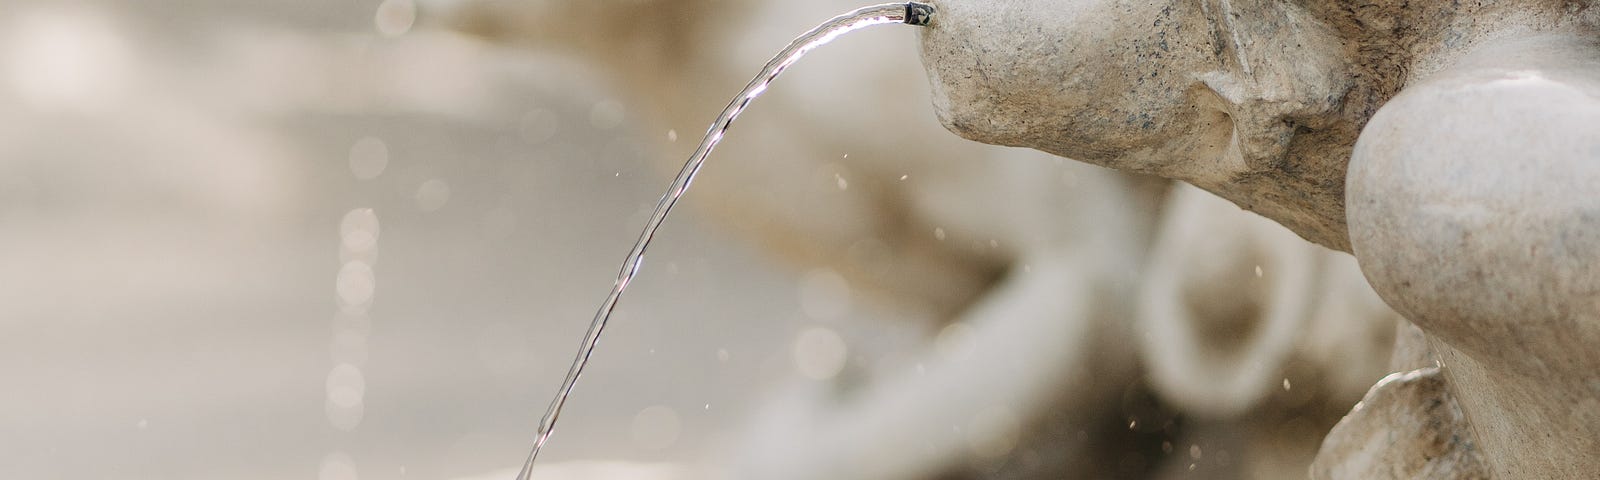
(1408,426)
(1452,147)
(1068,295)
(968,235)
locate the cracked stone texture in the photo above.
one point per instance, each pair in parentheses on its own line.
(1450,146)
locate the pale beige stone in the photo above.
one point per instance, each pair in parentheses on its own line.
(1409,426)
(1487,238)
(1259,102)
(1468,131)
(1005,247)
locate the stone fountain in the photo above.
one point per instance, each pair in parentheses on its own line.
(1453,147)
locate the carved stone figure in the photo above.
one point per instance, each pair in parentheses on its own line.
(1452,147)
(1010,252)
(1074,328)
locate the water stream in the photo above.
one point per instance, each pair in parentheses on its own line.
(908,13)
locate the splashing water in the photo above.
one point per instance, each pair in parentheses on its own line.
(909,13)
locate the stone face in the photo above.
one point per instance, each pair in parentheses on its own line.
(1032,268)
(1468,203)
(1453,147)
(1262,126)
(1257,101)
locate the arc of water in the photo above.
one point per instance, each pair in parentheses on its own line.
(909,13)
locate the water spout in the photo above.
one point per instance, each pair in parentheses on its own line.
(909,13)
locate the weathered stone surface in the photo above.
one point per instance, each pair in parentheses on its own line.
(1488,238)
(1022,287)
(1465,204)
(1257,101)
(1409,426)
(1470,133)
(1197,91)
(1033,267)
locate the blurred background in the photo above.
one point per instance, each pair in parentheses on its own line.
(260,239)
(361,239)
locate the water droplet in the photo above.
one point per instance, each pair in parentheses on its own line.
(369,157)
(337,466)
(344,419)
(903,177)
(859,18)
(672,135)
(656,428)
(1285,384)
(355,286)
(345,385)
(359,230)
(843,184)
(722,355)
(939,233)
(395,17)
(824,295)
(432,195)
(346,397)
(819,353)
(1258,271)
(1194,452)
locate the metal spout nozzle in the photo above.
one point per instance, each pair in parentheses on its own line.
(919,14)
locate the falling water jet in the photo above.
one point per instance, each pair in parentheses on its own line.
(911,13)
